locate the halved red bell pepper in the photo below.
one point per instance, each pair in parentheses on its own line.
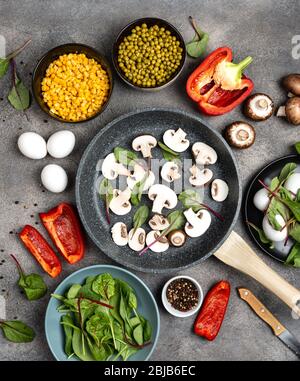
(210,318)
(205,85)
(64,229)
(41,250)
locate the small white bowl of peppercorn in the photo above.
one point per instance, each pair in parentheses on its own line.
(182,296)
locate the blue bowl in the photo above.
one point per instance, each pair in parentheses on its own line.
(146,302)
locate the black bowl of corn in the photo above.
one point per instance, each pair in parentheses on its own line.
(72,83)
(149,54)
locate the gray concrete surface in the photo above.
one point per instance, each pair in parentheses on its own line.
(260,28)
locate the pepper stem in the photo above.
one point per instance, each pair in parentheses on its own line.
(243,64)
(20,270)
(18,51)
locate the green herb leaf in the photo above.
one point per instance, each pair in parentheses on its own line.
(167,149)
(294,207)
(106,194)
(294,257)
(277,207)
(19,96)
(137,191)
(138,334)
(261,235)
(274,184)
(140,217)
(66,322)
(191,199)
(125,156)
(4,65)
(285,194)
(176,220)
(197,46)
(104,285)
(168,153)
(17,331)
(286,171)
(73,291)
(295,232)
(298,195)
(297,147)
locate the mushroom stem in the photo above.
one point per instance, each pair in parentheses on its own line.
(281,111)
(290,95)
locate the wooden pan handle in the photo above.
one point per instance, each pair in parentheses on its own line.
(261,311)
(237,253)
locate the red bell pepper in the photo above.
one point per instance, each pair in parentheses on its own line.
(217,84)
(64,229)
(210,318)
(41,250)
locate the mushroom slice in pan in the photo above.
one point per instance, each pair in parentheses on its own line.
(119,234)
(161,245)
(111,168)
(170,172)
(204,154)
(240,135)
(259,107)
(162,197)
(159,222)
(176,140)
(136,239)
(120,203)
(197,223)
(177,238)
(139,174)
(144,143)
(219,190)
(200,176)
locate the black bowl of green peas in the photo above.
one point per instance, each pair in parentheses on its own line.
(149,54)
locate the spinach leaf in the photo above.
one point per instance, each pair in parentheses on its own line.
(97,324)
(106,194)
(295,232)
(19,96)
(137,191)
(17,331)
(73,291)
(168,153)
(261,235)
(4,62)
(285,194)
(140,217)
(298,196)
(81,347)
(125,156)
(147,330)
(191,199)
(33,285)
(297,147)
(68,330)
(274,184)
(277,207)
(294,207)
(286,171)
(104,285)
(197,46)
(176,220)
(138,334)
(294,257)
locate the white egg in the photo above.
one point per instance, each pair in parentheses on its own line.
(32,145)
(271,233)
(54,178)
(261,199)
(293,183)
(61,144)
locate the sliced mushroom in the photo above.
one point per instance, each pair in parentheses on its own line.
(177,238)
(176,140)
(162,197)
(292,83)
(159,222)
(136,241)
(200,176)
(170,172)
(144,143)
(204,154)
(259,107)
(120,204)
(160,246)
(291,110)
(219,190)
(139,174)
(197,223)
(111,168)
(119,234)
(240,135)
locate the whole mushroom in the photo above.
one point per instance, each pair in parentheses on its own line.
(111,168)
(170,171)
(162,197)
(240,135)
(144,144)
(259,107)
(161,244)
(291,83)
(197,223)
(159,222)
(119,234)
(219,190)
(204,154)
(200,176)
(291,111)
(120,203)
(176,140)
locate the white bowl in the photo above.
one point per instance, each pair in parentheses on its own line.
(171,309)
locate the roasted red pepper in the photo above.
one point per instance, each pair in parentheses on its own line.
(64,229)
(217,84)
(211,315)
(41,250)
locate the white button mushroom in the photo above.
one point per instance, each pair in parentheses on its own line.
(139,174)
(197,223)
(61,144)
(32,145)
(120,204)
(170,171)
(200,176)
(119,234)
(159,222)
(271,233)
(160,246)
(111,168)
(54,178)
(176,140)
(204,154)
(162,197)
(293,183)
(219,190)
(261,199)
(136,241)
(144,143)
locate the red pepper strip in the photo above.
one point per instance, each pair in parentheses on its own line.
(211,98)
(64,229)
(41,250)
(210,318)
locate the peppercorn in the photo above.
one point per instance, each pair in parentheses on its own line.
(182,294)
